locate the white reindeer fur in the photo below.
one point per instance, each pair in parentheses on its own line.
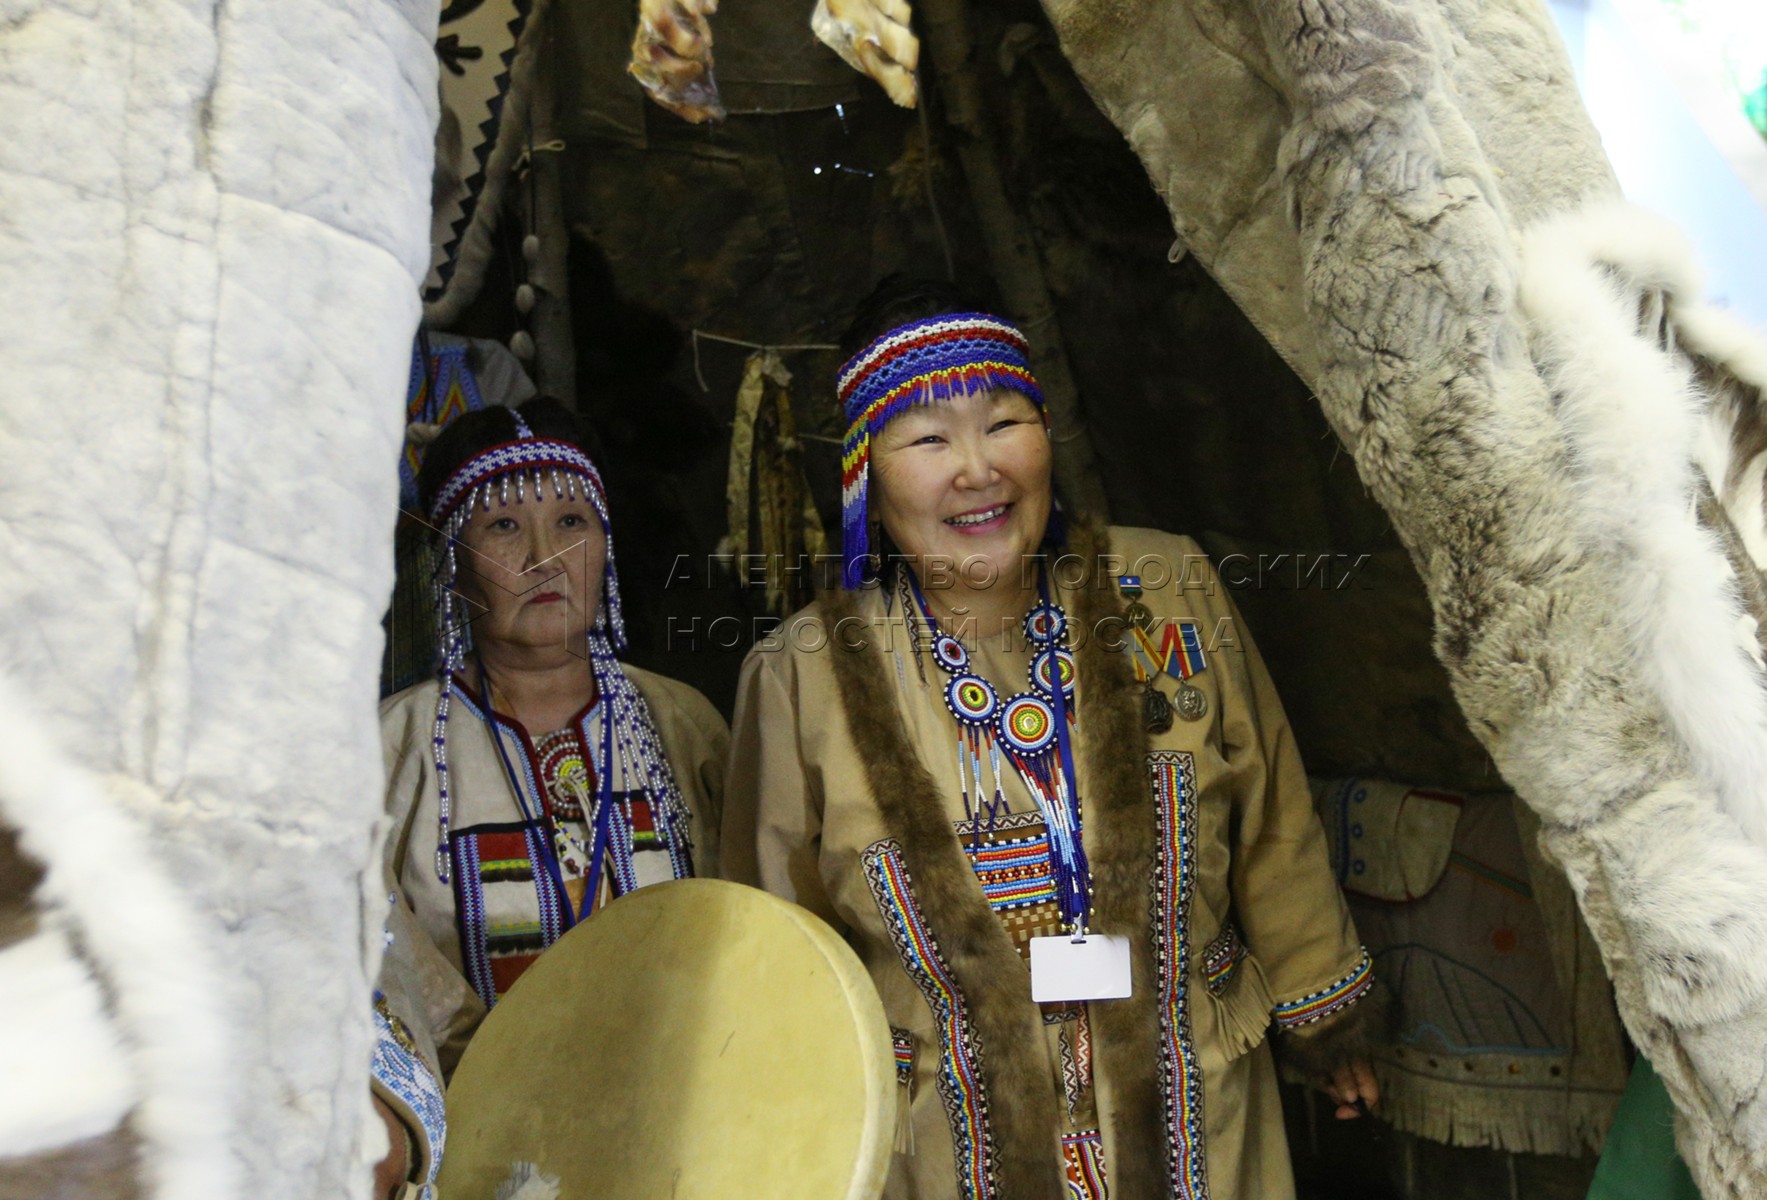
(68,1079)
(1592,634)
(1637,426)
(101,886)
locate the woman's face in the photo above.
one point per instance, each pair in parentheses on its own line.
(532,570)
(966,480)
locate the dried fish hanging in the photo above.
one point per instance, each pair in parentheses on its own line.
(765,450)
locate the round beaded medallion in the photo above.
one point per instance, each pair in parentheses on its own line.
(971,699)
(950,652)
(1045,623)
(1042,667)
(1027,724)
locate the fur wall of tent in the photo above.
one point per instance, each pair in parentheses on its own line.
(1341,287)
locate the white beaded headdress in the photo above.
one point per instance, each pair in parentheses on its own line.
(494,474)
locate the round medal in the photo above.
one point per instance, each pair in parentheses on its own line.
(971,699)
(1027,724)
(1192,704)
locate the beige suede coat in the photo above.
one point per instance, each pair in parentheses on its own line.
(844,795)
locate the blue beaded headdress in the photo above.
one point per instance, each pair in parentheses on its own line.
(917,363)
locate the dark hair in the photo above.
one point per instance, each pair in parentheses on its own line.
(471,434)
(899,299)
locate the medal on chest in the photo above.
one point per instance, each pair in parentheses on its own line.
(1171,648)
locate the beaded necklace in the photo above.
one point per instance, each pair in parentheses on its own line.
(629,747)
(1030,730)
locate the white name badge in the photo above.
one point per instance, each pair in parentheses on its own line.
(1063,969)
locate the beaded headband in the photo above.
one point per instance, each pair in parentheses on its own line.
(530,453)
(918,363)
(515,466)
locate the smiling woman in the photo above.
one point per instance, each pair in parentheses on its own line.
(967,482)
(536,777)
(1082,912)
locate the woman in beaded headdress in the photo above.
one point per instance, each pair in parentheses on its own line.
(1044,783)
(536,777)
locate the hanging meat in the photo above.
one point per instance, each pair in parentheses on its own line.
(672,57)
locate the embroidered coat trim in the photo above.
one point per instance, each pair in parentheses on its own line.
(960,1080)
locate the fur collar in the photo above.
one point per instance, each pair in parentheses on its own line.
(1120,838)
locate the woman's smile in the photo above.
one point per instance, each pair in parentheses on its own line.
(981,520)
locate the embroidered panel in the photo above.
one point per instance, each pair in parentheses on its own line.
(399,1068)
(469,914)
(1332,998)
(1221,958)
(494,880)
(559,779)
(1083,1157)
(1014,871)
(960,1069)
(1010,856)
(1174,787)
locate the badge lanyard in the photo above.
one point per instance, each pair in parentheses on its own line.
(1080,918)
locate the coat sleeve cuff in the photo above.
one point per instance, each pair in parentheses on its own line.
(413,1092)
(1349,1032)
(1329,1000)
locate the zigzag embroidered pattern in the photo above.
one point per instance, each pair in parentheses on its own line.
(960,1077)
(1174,778)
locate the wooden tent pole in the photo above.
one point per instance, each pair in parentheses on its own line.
(555,352)
(1018,267)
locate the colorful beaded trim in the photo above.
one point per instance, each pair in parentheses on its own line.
(922,362)
(960,1052)
(1083,1158)
(1013,873)
(519,457)
(1174,783)
(902,1043)
(1330,999)
(1221,958)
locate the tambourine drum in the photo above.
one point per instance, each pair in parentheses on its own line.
(694,1040)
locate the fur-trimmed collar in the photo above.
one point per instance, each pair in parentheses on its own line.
(1120,844)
